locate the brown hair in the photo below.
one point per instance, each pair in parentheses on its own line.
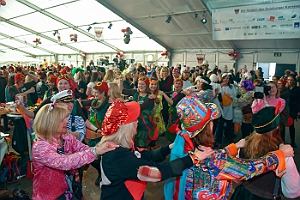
(258,145)
(94,77)
(154,79)
(204,137)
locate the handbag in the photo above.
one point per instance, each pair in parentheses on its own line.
(152,132)
(73,178)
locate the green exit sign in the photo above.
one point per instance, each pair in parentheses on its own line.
(277,54)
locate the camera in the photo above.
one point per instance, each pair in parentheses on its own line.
(260,90)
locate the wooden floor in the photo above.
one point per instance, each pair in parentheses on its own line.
(154,191)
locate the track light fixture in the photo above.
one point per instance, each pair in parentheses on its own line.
(204,20)
(89,28)
(169,19)
(110,25)
(55,32)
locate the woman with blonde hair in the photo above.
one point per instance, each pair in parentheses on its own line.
(114,92)
(55,151)
(165,84)
(129,180)
(109,76)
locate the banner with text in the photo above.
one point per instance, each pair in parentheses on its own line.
(264,21)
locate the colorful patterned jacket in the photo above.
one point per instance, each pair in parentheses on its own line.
(213,177)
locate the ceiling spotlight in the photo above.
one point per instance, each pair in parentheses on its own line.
(169,19)
(203,20)
(89,28)
(55,32)
(110,25)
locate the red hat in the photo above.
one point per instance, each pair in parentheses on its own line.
(62,76)
(19,77)
(145,79)
(102,86)
(63,71)
(58,67)
(282,80)
(119,113)
(67,68)
(52,79)
(176,70)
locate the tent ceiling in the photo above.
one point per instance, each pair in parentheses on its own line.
(185,30)
(21,21)
(27,20)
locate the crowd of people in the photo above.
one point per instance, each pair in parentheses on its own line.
(120,114)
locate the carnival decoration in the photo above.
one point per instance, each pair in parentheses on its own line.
(127,32)
(37,41)
(73,37)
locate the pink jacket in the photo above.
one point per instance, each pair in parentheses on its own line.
(49,180)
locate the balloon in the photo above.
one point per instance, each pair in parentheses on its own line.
(3,3)
(230,53)
(235,54)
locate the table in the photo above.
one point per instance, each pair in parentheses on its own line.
(19,116)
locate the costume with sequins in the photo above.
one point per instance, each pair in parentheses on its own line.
(213,178)
(49,181)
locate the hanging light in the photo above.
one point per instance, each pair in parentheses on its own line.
(169,19)
(89,28)
(203,20)
(110,25)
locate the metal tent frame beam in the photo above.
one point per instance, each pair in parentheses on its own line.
(129,20)
(44,12)
(21,41)
(16,49)
(39,34)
